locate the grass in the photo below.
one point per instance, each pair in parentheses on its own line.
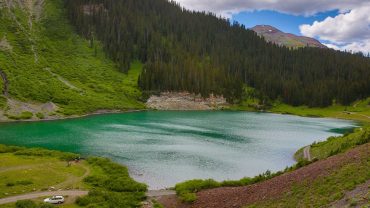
(111,186)
(359,111)
(324,189)
(36,204)
(335,145)
(25,115)
(68,71)
(252,101)
(25,170)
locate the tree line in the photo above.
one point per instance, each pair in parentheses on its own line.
(201,53)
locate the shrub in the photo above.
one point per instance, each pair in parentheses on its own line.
(9,184)
(2,102)
(9,149)
(47,153)
(157,204)
(24,182)
(188,197)
(25,204)
(40,115)
(45,205)
(113,187)
(195,186)
(25,115)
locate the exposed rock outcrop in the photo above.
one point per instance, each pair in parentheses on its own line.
(185,101)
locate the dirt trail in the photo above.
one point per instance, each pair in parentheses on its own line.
(22,167)
(72,193)
(6,83)
(71,180)
(306,153)
(157,193)
(64,81)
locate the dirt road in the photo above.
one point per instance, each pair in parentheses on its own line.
(306,153)
(72,193)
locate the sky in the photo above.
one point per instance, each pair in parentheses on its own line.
(339,24)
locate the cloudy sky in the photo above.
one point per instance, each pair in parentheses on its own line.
(340,24)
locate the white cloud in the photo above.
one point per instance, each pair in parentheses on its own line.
(348,31)
(297,7)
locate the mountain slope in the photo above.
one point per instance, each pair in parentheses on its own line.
(51,71)
(272,34)
(200,53)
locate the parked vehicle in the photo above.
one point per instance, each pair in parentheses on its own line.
(54,200)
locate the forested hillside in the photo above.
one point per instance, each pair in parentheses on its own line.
(51,70)
(197,52)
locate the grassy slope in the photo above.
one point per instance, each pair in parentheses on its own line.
(43,173)
(25,170)
(324,189)
(334,145)
(97,82)
(358,111)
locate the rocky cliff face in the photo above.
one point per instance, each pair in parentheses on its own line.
(272,34)
(185,101)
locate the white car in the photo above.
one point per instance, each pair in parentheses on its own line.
(54,200)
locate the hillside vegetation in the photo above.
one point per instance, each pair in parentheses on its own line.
(200,53)
(45,60)
(52,72)
(335,145)
(325,189)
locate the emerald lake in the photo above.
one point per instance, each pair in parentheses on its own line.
(162,148)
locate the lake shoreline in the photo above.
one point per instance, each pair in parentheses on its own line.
(96,113)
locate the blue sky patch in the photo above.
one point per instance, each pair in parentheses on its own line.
(284,22)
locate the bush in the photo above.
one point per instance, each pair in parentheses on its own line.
(9,184)
(113,187)
(25,204)
(2,102)
(157,204)
(9,149)
(23,183)
(25,115)
(45,205)
(47,153)
(40,115)
(195,185)
(188,197)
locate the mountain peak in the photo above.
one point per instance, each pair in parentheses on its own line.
(274,35)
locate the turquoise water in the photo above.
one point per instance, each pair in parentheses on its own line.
(163,148)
